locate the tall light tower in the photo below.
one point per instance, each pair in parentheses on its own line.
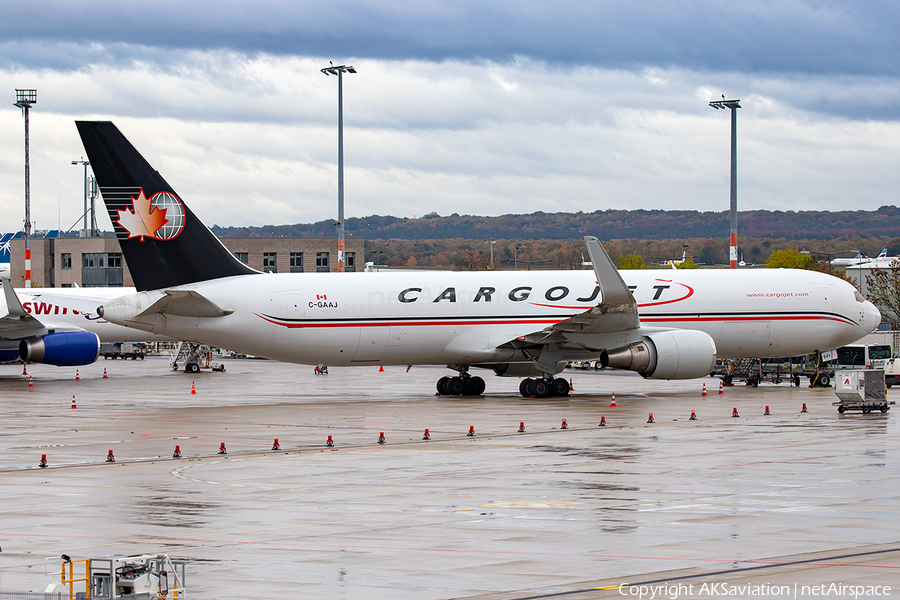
(733,105)
(87,191)
(24,100)
(339,71)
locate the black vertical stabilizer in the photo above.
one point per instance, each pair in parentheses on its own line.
(162,249)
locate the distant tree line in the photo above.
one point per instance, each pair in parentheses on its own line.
(467,254)
(604,224)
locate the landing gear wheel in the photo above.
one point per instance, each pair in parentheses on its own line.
(442,386)
(523,387)
(559,387)
(824,381)
(475,386)
(456,386)
(541,388)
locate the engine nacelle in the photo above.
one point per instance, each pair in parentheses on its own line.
(676,354)
(63,349)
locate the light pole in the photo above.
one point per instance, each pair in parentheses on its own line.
(516,259)
(24,100)
(339,71)
(733,105)
(491,243)
(86,196)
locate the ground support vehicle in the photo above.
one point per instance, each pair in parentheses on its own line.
(145,576)
(862,390)
(123,350)
(892,372)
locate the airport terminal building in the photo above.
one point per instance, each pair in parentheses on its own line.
(67,261)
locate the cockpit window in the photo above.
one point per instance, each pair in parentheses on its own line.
(858,296)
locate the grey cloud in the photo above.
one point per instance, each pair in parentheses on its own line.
(794,36)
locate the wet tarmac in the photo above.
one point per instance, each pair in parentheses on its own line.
(786,499)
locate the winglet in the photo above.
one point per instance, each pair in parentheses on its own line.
(13,304)
(612,288)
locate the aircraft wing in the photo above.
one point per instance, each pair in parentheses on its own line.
(16,323)
(616,311)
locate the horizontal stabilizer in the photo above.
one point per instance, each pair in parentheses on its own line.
(185,303)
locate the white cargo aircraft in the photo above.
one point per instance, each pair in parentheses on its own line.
(662,324)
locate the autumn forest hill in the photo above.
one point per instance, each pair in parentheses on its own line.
(554,240)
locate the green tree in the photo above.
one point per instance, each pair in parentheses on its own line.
(688,264)
(884,291)
(632,261)
(790,259)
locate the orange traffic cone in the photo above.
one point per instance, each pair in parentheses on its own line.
(381,368)
(571,385)
(613,403)
(703,395)
(105,376)
(30,381)
(721,387)
(193,388)
(77,377)
(73,401)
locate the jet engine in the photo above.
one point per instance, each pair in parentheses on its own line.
(63,349)
(676,354)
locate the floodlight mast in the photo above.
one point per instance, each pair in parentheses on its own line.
(339,71)
(24,100)
(87,198)
(733,105)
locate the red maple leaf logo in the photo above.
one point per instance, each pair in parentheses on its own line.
(142,220)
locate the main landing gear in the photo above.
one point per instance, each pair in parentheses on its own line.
(464,385)
(544,387)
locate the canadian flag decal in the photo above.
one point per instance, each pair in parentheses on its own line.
(322,297)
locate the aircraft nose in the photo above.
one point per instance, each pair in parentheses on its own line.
(871,317)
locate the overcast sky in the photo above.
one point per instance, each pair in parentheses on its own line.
(480,108)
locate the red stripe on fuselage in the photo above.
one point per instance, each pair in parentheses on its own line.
(544,320)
